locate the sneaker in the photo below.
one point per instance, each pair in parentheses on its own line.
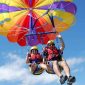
(69,83)
(71,80)
(63,79)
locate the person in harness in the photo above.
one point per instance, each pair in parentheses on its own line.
(35,61)
(54,56)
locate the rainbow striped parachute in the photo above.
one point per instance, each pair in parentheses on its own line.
(33,22)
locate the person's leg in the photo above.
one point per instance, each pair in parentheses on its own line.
(58,72)
(50,67)
(43,66)
(33,68)
(65,66)
(47,67)
(56,69)
(36,69)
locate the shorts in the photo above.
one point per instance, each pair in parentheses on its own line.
(58,58)
(59,64)
(38,70)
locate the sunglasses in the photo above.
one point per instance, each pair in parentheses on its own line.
(33,51)
(51,44)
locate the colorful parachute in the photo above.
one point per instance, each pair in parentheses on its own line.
(30,22)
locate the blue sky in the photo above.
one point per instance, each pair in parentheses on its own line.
(14,71)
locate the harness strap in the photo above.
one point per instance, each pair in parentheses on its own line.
(52,20)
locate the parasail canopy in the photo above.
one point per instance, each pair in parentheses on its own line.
(33,22)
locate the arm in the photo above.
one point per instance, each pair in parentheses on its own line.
(45,54)
(61,42)
(28,58)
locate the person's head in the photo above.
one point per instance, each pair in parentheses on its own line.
(50,43)
(34,49)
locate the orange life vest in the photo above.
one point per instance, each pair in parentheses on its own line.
(52,52)
(35,57)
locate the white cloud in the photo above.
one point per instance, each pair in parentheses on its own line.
(44,79)
(73,61)
(15,70)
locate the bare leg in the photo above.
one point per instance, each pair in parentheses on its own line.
(56,69)
(58,72)
(46,67)
(65,67)
(43,66)
(71,79)
(33,68)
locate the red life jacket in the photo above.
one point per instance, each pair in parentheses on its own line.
(51,52)
(35,57)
